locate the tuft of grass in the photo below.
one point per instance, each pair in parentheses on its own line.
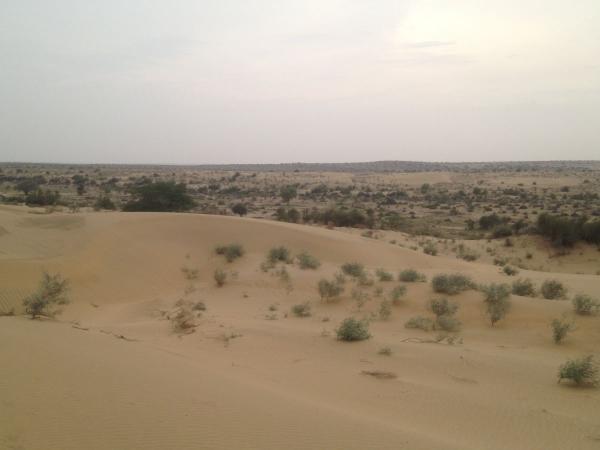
(451,284)
(553,290)
(523,287)
(411,276)
(581,371)
(383,275)
(301,310)
(352,329)
(560,329)
(307,261)
(220,277)
(231,252)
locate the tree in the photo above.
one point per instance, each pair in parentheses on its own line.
(52,291)
(288,192)
(240,209)
(160,196)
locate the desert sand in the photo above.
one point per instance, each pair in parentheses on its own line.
(109,373)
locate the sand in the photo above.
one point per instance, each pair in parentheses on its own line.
(109,373)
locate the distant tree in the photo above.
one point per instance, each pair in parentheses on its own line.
(160,196)
(28,185)
(288,192)
(240,209)
(52,291)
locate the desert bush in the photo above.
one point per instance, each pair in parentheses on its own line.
(183,320)
(279,254)
(442,307)
(307,261)
(329,290)
(419,322)
(501,231)
(220,277)
(430,249)
(51,292)
(581,371)
(385,351)
(411,276)
(301,310)
(585,305)
(231,252)
(104,202)
(190,273)
(451,284)
(523,287)
(497,300)
(466,253)
(397,293)
(560,329)
(383,275)
(385,310)
(352,329)
(354,269)
(160,196)
(240,209)
(447,323)
(553,289)
(510,271)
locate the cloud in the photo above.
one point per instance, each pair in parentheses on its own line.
(428,44)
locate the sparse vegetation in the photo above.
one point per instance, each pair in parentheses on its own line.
(279,254)
(330,290)
(497,301)
(231,252)
(560,329)
(220,277)
(419,322)
(510,270)
(523,287)
(553,290)
(581,371)
(301,310)
(307,261)
(411,276)
(584,305)
(385,310)
(354,269)
(397,293)
(352,329)
(51,293)
(451,284)
(384,275)
(442,307)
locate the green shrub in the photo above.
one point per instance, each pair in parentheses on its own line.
(411,276)
(352,329)
(560,329)
(397,293)
(307,261)
(510,271)
(497,301)
(451,284)
(447,323)
(442,307)
(419,322)
(329,290)
(301,310)
(581,371)
(553,289)
(279,254)
(354,269)
(523,287)
(220,277)
(52,291)
(160,196)
(430,249)
(104,202)
(385,310)
(383,275)
(585,305)
(231,252)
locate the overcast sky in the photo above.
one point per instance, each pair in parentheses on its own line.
(224,81)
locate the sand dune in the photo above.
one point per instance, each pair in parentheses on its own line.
(252,378)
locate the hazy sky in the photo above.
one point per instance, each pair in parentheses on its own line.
(226,81)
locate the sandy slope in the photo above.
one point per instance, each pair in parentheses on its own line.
(284,382)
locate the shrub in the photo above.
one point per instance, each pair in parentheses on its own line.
(447,323)
(422,323)
(581,371)
(354,269)
(301,310)
(231,252)
(442,307)
(397,293)
(510,271)
(183,320)
(451,284)
(329,290)
(384,275)
(411,276)
(523,287)
(385,310)
(560,328)
(51,292)
(104,202)
(501,231)
(279,254)
(430,249)
(585,305)
(553,289)
(160,196)
(220,277)
(352,329)
(307,261)
(240,209)
(385,351)
(189,273)
(497,301)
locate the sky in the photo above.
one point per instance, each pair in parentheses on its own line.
(224,81)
